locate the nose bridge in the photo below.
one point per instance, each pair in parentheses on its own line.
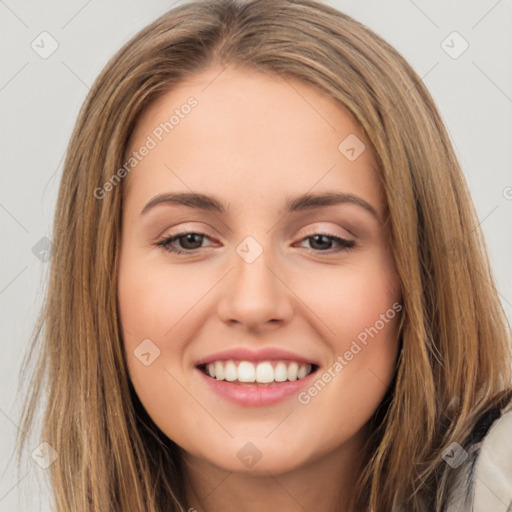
(254,292)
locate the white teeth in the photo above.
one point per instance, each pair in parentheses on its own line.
(219,370)
(280,372)
(302,371)
(230,373)
(263,372)
(246,372)
(292,371)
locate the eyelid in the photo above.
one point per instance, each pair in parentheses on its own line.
(181,229)
(317,229)
(309,231)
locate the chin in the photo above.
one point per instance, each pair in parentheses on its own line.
(256,457)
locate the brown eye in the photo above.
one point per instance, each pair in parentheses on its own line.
(323,242)
(189,242)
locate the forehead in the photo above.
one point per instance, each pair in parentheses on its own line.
(250,135)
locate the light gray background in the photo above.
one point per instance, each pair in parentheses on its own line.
(40,99)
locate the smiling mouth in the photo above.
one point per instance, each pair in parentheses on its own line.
(263,373)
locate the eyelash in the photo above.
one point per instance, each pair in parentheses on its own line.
(346,245)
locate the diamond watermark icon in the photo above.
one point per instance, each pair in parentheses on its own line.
(454,45)
(44,45)
(249,455)
(351,147)
(455,455)
(44,455)
(455,249)
(146,352)
(249,249)
(42,249)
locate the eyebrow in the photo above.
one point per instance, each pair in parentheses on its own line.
(294,204)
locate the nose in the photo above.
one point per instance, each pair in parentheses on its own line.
(255,297)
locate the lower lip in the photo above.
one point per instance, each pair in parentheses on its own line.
(255,396)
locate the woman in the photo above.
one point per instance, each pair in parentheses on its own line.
(264,369)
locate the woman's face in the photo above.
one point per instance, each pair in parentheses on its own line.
(287,267)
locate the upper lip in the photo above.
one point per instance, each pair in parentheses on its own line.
(264,354)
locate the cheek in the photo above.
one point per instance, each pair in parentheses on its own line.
(148,311)
(156,302)
(155,308)
(351,299)
(359,307)
(363,340)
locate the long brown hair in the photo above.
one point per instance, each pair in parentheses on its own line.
(455,358)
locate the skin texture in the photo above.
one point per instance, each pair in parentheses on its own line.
(253,141)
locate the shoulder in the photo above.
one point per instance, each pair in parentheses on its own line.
(493,471)
(484,480)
